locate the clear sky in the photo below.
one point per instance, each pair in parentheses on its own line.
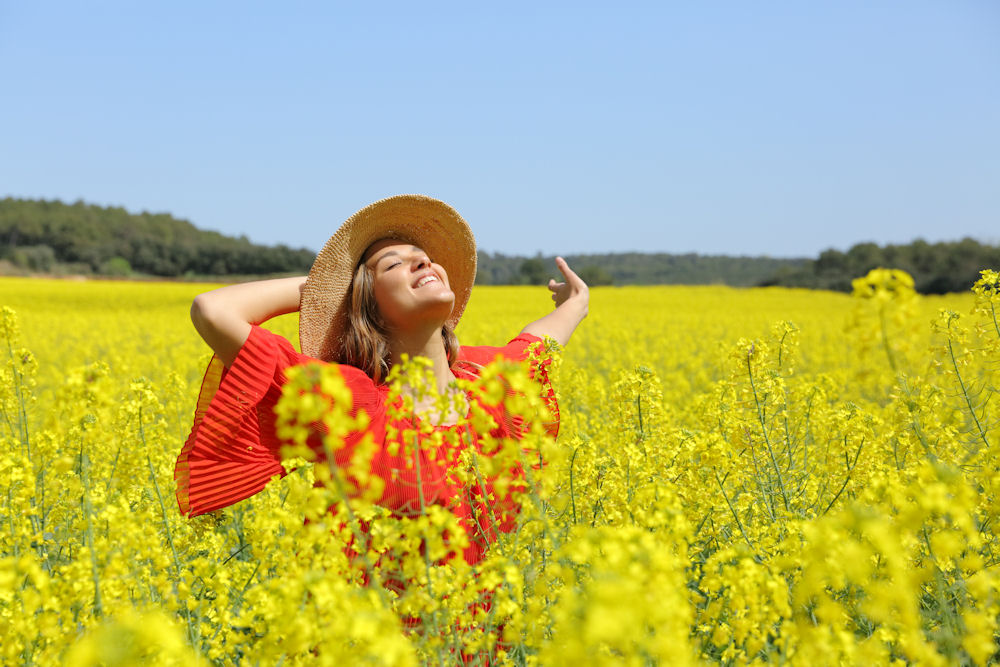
(774,128)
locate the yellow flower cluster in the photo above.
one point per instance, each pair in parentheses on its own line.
(740,476)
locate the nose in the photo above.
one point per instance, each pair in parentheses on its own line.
(420,260)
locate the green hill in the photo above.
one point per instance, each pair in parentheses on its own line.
(53,237)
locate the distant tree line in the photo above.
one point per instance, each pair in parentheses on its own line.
(50,236)
(53,237)
(937,268)
(634,268)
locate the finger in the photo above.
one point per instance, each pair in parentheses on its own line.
(554,286)
(567,272)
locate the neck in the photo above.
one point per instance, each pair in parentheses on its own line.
(428,344)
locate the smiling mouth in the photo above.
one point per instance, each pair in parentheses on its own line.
(425,280)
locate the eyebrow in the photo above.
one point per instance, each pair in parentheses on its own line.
(393,252)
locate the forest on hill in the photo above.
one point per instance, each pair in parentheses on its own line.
(54,238)
(79,238)
(937,268)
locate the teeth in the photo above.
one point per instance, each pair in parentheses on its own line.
(426,279)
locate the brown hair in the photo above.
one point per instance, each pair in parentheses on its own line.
(366,341)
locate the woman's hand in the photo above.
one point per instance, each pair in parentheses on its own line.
(572,299)
(572,287)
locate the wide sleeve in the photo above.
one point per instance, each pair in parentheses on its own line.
(520,349)
(232,451)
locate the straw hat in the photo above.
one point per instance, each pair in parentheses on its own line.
(423,221)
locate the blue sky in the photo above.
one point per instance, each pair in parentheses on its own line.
(745,128)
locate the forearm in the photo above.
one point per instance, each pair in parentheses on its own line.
(561,322)
(223,316)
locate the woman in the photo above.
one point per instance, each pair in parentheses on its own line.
(392,281)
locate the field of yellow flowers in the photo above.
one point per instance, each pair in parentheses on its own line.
(762,475)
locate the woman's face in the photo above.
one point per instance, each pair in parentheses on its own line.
(411,291)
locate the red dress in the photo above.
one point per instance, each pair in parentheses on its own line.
(233,450)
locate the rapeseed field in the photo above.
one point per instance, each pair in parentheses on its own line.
(740,476)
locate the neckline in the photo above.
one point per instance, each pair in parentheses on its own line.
(415,418)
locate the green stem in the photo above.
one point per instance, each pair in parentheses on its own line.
(781,348)
(22,417)
(965,394)
(88,511)
(246,585)
(572,492)
(767,440)
(40,490)
(166,524)
(736,517)
(10,520)
(170,541)
(766,497)
(939,585)
(850,469)
(486,504)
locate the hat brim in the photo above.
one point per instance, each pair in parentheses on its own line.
(423,221)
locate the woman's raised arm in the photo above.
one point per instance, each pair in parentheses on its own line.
(223,316)
(572,298)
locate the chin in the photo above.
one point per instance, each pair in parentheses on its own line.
(443,307)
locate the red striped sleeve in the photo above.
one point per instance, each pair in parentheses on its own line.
(232,451)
